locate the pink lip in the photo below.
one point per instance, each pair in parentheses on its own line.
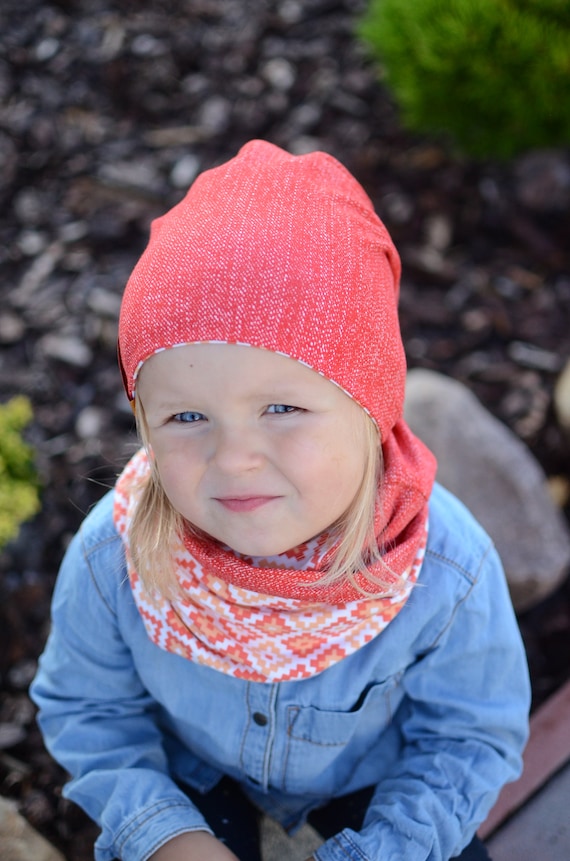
(244,503)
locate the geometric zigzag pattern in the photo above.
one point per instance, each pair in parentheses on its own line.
(246,634)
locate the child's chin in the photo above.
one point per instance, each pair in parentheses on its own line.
(261,549)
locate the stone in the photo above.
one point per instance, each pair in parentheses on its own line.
(141,173)
(11,734)
(12,328)
(495,475)
(559,489)
(67,349)
(214,115)
(185,171)
(276,845)
(32,242)
(542,180)
(19,841)
(37,274)
(90,422)
(279,73)
(562,397)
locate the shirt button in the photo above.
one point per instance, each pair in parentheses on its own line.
(259,718)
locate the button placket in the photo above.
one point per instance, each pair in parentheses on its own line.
(260,731)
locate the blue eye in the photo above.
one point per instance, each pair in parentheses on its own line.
(188,417)
(281,409)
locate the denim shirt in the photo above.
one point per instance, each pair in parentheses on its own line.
(433,711)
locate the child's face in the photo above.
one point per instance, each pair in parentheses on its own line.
(252,447)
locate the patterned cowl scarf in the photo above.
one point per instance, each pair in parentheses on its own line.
(247,633)
(283,253)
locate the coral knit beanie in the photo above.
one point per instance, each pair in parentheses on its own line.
(280,252)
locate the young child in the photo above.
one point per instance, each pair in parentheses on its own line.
(276,609)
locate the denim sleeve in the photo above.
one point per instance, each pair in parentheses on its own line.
(98,720)
(463,724)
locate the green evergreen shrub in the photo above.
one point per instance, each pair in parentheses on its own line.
(19,492)
(494,75)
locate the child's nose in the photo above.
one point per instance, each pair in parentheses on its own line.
(238,450)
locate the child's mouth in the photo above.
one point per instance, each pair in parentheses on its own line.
(244,503)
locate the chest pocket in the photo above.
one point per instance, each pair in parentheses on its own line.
(325,747)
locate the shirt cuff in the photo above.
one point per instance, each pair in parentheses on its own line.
(341,847)
(150,829)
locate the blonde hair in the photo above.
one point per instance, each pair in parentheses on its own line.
(156,525)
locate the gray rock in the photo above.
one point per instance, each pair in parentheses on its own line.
(66,348)
(185,171)
(19,841)
(542,180)
(276,845)
(279,73)
(562,397)
(214,115)
(12,328)
(90,422)
(489,469)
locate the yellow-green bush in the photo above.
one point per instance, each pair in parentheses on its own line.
(493,75)
(19,494)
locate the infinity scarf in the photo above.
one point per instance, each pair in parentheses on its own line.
(259,634)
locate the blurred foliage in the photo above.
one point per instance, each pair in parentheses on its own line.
(19,491)
(493,75)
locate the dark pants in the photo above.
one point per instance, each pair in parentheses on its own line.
(235,821)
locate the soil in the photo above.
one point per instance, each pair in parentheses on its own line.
(107,112)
